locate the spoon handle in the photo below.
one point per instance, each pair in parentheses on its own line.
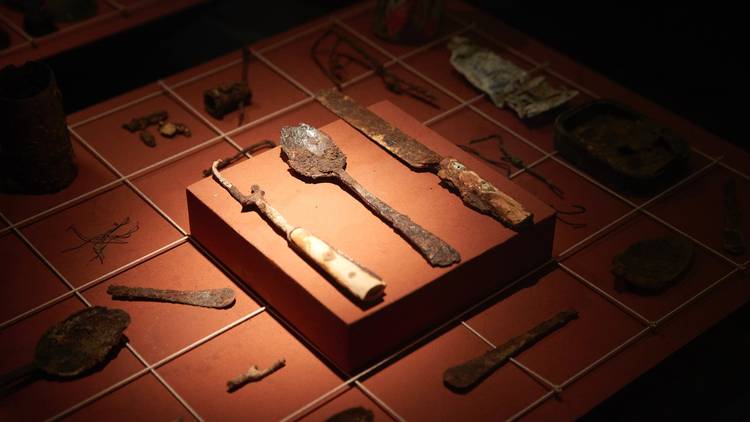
(17,375)
(436,251)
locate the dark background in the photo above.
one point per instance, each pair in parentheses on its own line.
(689,59)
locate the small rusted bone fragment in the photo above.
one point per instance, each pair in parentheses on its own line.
(226,98)
(170,130)
(140,123)
(147,138)
(312,153)
(254,375)
(464,377)
(210,298)
(734,240)
(361,283)
(353,414)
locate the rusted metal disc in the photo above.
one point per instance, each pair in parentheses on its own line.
(81,342)
(652,265)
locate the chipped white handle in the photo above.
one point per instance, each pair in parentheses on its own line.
(360,282)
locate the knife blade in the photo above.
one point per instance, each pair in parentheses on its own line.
(475,192)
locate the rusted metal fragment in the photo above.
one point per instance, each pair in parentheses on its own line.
(353,414)
(650,266)
(100,241)
(734,239)
(139,123)
(210,298)
(248,150)
(361,284)
(621,146)
(81,342)
(505,83)
(403,146)
(226,98)
(170,130)
(312,153)
(464,377)
(254,375)
(483,196)
(147,138)
(476,192)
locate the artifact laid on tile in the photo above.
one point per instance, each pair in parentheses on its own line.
(100,241)
(510,161)
(159,118)
(254,375)
(36,156)
(620,146)
(353,414)
(505,83)
(84,341)
(408,21)
(476,192)
(464,377)
(226,98)
(209,298)
(139,123)
(312,153)
(364,285)
(338,59)
(170,130)
(650,266)
(734,239)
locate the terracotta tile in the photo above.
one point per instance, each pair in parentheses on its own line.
(182,268)
(96,110)
(294,58)
(413,386)
(130,399)
(594,264)
(52,237)
(465,125)
(271,92)
(600,326)
(200,376)
(601,207)
(27,282)
(125,151)
(350,398)
(372,90)
(44,398)
(312,113)
(91,175)
(270,43)
(706,222)
(166,185)
(363,24)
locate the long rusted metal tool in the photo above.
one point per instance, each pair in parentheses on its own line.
(462,378)
(313,154)
(210,298)
(476,192)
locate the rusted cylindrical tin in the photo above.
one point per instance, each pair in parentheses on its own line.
(36,156)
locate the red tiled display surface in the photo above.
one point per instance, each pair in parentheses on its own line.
(191,352)
(112,16)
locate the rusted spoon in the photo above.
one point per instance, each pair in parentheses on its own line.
(78,344)
(312,153)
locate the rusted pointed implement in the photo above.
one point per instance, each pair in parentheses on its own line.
(210,298)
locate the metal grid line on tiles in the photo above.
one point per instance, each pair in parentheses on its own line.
(354,381)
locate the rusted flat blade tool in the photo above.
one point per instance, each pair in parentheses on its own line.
(210,298)
(476,192)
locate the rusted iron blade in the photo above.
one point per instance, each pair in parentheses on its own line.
(312,153)
(211,298)
(464,377)
(475,192)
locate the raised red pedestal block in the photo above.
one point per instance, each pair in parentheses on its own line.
(417,295)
